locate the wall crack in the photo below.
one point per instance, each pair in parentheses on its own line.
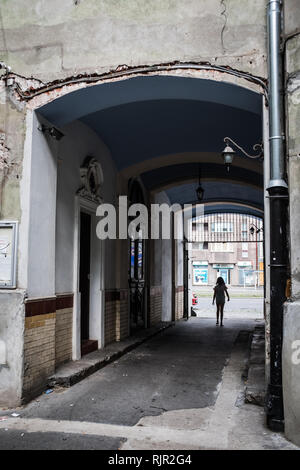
(27,89)
(223,13)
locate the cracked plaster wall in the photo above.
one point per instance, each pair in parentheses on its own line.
(291,332)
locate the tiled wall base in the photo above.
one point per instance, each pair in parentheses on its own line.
(116,315)
(63,336)
(155,305)
(48,340)
(179,294)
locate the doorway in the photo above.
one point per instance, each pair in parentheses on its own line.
(87,345)
(137,267)
(137,285)
(225,274)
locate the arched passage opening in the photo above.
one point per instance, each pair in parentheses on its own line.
(158,129)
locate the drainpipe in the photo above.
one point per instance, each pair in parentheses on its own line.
(278,194)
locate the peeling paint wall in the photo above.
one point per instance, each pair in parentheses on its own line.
(51,40)
(12,130)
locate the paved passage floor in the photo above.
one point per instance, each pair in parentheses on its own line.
(238,308)
(182,389)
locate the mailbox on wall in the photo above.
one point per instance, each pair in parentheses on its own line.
(8,254)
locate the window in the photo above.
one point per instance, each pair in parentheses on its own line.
(203,227)
(222,227)
(222,247)
(200,246)
(244,235)
(244,230)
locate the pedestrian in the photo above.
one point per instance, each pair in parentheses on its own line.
(220,290)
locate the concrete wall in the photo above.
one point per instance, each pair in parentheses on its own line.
(50,40)
(11,347)
(291,366)
(42,213)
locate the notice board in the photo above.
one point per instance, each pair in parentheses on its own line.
(8,254)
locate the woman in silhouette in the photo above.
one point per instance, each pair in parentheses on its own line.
(220,290)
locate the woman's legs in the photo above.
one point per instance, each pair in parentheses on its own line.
(222,311)
(218,310)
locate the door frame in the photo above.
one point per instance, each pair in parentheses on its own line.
(97,292)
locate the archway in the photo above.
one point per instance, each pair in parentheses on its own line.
(157,128)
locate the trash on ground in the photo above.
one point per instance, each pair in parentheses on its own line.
(15,415)
(48,391)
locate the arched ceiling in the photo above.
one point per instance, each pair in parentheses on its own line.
(89,100)
(146,117)
(216,192)
(164,176)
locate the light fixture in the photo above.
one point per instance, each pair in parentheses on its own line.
(228,152)
(52,131)
(199,190)
(254,229)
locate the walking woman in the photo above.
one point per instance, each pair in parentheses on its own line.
(220,290)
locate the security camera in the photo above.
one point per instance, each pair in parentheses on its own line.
(52,131)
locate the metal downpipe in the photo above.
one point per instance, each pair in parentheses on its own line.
(278,194)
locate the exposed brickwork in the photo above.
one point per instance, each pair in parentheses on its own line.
(116,316)
(39,353)
(179,303)
(110,321)
(48,340)
(63,336)
(122,324)
(155,305)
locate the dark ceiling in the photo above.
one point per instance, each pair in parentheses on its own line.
(151,116)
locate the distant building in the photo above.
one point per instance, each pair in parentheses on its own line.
(227,245)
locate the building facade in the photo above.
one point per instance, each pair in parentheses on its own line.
(227,245)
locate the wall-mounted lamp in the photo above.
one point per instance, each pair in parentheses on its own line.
(228,152)
(254,229)
(52,131)
(199,190)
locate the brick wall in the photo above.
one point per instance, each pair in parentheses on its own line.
(116,315)
(39,345)
(110,321)
(179,303)
(48,340)
(155,304)
(63,329)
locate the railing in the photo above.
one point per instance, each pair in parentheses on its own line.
(225,228)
